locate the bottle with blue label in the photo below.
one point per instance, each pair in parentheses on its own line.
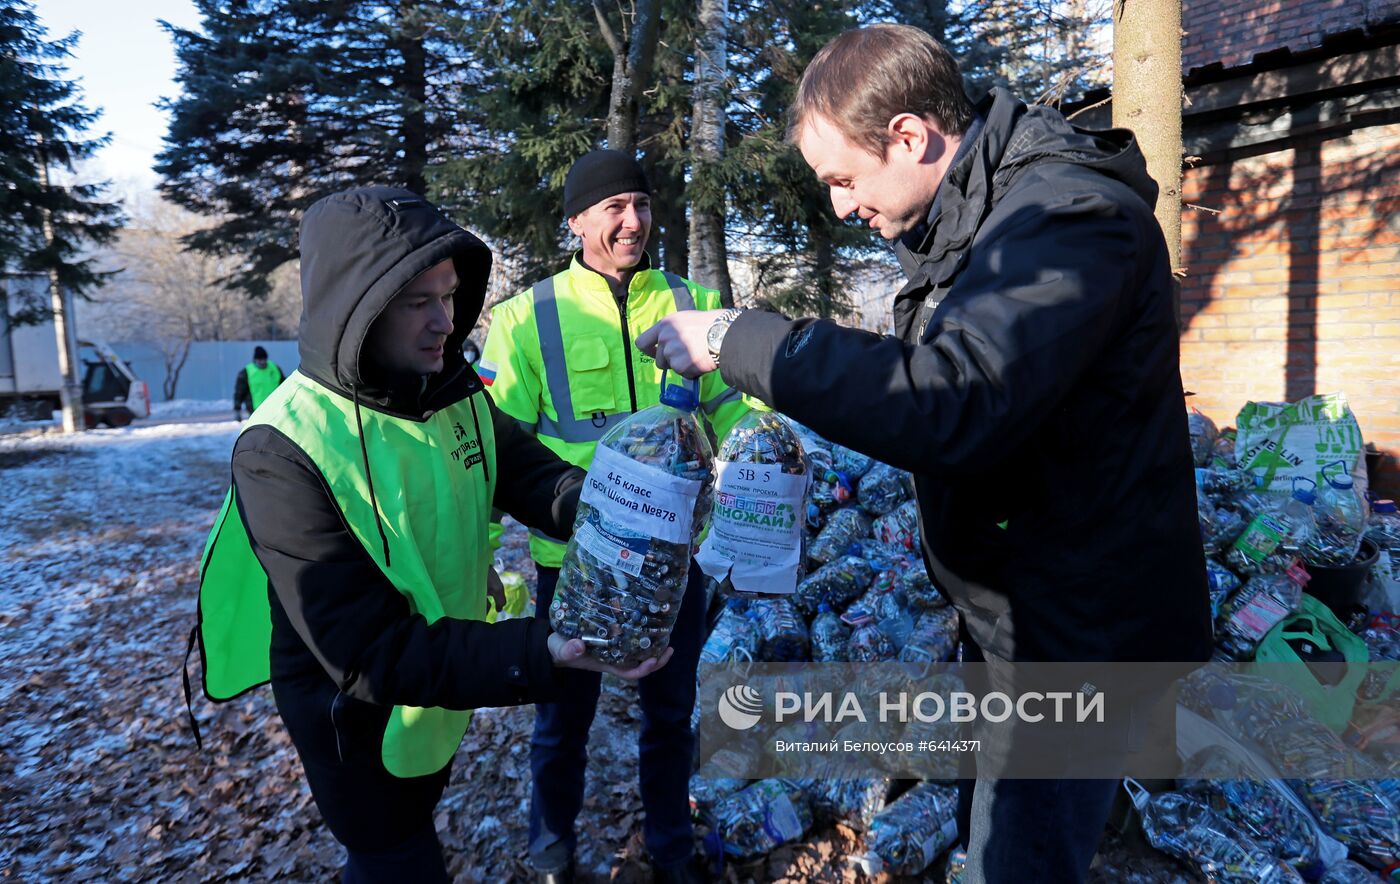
(644,501)
(1340,513)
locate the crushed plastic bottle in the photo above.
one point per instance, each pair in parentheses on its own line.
(783,636)
(1275,536)
(644,501)
(1340,512)
(829,636)
(934,638)
(757,819)
(1203,436)
(854,802)
(836,583)
(706,792)
(899,527)
(920,593)
(883,488)
(1255,608)
(843,528)
(915,828)
(1188,829)
(852,463)
(868,644)
(734,638)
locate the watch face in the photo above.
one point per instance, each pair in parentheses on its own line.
(715,336)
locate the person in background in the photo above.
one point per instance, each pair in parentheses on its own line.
(255,382)
(559,359)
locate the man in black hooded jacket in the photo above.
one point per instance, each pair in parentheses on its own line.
(1032,387)
(363,487)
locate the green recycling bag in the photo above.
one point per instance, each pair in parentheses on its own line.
(1278,443)
(1315,623)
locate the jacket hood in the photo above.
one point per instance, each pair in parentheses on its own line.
(359,248)
(1013,138)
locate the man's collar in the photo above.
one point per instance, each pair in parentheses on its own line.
(606,283)
(914,240)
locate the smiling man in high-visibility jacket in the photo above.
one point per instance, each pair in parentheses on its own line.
(559,359)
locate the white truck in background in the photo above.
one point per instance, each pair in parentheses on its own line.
(30,381)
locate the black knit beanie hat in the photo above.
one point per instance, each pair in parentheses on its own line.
(599,174)
(259,352)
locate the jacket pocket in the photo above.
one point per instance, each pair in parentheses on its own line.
(357,727)
(590,380)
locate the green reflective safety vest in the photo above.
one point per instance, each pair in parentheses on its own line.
(262,381)
(434,482)
(560,360)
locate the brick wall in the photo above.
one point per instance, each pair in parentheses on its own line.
(1232,33)
(1294,286)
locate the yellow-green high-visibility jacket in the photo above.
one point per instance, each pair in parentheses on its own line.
(560,360)
(262,381)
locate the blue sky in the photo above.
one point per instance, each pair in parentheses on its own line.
(125,63)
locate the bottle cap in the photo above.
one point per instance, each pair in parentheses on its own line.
(684,394)
(1305,496)
(1384,506)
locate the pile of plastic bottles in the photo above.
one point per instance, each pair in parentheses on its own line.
(1186,827)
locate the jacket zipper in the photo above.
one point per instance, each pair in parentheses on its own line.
(621,299)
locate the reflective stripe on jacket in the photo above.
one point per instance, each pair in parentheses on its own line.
(560,359)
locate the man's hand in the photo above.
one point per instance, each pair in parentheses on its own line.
(678,342)
(572,653)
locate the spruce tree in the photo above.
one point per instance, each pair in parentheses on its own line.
(46,227)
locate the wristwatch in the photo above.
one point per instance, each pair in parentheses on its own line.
(714,338)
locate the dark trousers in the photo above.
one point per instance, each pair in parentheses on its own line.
(558,750)
(384,822)
(1045,830)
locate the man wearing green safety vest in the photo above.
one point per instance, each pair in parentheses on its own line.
(255,382)
(559,359)
(349,564)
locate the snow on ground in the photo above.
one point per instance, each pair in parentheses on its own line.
(190,407)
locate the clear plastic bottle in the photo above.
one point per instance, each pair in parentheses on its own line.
(1188,829)
(1257,607)
(1340,512)
(837,583)
(915,828)
(1275,536)
(757,819)
(829,636)
(783,636)
(645,500)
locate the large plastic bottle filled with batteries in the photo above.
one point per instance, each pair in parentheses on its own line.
(643,503)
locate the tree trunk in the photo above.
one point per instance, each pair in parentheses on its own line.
(709,257)
(413,86)
(824,257)
(1147,98)
(632,61)
(61,301)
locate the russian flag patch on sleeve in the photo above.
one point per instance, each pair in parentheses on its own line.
(487,372)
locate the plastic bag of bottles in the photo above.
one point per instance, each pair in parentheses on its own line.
(1255,608)
(1341,521)
(644,501)
(829,636)
(782,632)
(843,528)
(901,526)
(882,489)
(734,638)
(836,583)
(869,644)
(1278,531)
(1220,528)
(915,828)
(755,536)
(757,819)
(918,591)
(880,601)
(855,802)
(1203,436)
(852,463)
(934,637)
(1187,828)
(1356,813)
(1265,810)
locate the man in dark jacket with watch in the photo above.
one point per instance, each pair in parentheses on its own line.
(350,563)
(1032,387)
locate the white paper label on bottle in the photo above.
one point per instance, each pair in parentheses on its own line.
(615,550)
(781,821)
(755,527)
(640,498)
